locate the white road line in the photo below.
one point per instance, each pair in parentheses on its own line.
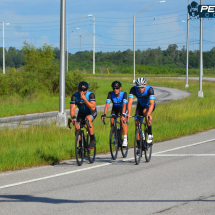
(183,155)
(93,167)
(194,144)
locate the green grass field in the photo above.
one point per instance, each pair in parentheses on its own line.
(50,144)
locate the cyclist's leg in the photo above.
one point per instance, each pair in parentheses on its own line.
(91,118)
(138,112)
(80,117)
(124,129)
(112,119)
(149,124)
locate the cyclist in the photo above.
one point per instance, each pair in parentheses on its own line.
(119,100)
(86,103)
(145,103)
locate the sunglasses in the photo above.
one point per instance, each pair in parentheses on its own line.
(83,90)
(116,88)
(141,87)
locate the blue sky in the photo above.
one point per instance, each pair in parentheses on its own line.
(38,22)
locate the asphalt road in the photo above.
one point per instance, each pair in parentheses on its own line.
(179,179)
(162,94)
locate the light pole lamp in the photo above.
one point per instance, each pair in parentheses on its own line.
(135,15)
(93,47)
(3,47)
(69,26)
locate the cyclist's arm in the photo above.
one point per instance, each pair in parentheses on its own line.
(72,110)
(108,101)
(125,101)
(106,108)
(72,106)
(130,102)
(151,103)
(91,104)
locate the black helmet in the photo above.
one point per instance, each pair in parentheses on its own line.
(116,84)
(83,85)
(140,81)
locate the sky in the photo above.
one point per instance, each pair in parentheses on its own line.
(161,24)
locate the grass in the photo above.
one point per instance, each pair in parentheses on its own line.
(50,144)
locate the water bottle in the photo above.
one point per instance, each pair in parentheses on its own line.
(143,135)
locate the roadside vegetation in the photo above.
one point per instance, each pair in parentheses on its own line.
(48,144)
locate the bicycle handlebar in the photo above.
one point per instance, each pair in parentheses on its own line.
(69,122)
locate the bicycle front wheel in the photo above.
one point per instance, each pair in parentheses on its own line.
(138,146)
(113,142)
(91,152)
(147,147)
(79,147)
(124,149)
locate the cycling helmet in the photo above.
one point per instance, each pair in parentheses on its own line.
(83,85)
(140,81)
(116,84)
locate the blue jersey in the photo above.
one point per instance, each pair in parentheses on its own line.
(143,98)
(80,103)
(117,100)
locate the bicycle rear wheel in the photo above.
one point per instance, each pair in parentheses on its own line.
(147,147)
(138,147)
(91,152)
(113,142)
(79,147)
(124,149)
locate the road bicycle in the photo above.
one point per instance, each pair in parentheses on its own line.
(142,145)
(116,139)
(82,144)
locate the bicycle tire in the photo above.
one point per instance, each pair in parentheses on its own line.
(113,143)
(124,149)
(147,147)
(79,149)
(91,152)
(138,148)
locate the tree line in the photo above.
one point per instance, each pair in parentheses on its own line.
(169,58)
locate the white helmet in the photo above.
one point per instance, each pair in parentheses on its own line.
(140,81)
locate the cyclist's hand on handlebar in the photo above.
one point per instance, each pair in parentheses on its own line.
(149,118)
(103,117)
(73,119)
(123,115)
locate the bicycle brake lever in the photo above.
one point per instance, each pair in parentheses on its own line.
(103,121)
(69,121)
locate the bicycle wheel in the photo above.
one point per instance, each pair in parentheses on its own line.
(138,147)
(113,142)
(124,149)
(91,152)
(147,147)
(79,147)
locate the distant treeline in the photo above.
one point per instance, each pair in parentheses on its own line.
(121,61)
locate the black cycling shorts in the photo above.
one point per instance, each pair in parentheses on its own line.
(139,110)
(116,111)
(81,116)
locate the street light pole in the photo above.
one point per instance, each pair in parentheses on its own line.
(61,119)
(187,63)
(3,46)
(94,45)
(140,13)
(200,93)
(134,48)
